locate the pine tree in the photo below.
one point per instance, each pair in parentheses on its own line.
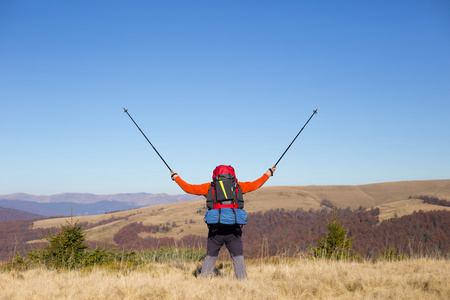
(66,248)
(335,245)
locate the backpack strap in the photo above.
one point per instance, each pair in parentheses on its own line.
(211,197)
(239,197)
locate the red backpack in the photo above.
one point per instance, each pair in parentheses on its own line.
(224,191)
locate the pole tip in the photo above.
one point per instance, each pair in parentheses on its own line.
(125,110)
(315,111)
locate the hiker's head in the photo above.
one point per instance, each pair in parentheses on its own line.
(223,169)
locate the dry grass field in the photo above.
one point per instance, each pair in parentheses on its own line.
(392,198)
(421,278)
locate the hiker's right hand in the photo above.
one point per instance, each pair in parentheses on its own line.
(173,175)
(271,171)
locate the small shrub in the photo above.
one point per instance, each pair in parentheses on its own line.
(161,255)
(99,256)
(170,254)
(391,254)
(335,245)
(19,259)
(67,249)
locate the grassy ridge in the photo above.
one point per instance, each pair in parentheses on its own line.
(392,198)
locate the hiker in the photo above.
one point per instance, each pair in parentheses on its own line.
(218,235)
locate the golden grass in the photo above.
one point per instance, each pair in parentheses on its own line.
(406,207)
(421,278)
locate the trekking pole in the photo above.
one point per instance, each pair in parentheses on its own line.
(314,112)
(126,110)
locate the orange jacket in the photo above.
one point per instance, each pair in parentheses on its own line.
(202,189)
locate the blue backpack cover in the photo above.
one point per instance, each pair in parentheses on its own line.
(226,216)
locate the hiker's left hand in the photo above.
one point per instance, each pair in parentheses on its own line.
(173,175)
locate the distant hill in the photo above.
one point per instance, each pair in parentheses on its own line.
(139,199)
(393,199)
(65,208)
(8,214)
(85,204)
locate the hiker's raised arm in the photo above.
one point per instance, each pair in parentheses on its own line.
(254,185)
(195,189)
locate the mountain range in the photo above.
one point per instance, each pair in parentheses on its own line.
(79,204)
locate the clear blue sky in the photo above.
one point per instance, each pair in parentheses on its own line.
(221,82)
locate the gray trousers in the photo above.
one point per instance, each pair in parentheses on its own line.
(231,238)
(238,263)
